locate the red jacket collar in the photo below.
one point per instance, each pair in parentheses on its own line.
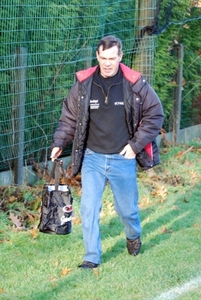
(84,74)
(128,73)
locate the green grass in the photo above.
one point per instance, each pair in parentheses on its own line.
(44,267)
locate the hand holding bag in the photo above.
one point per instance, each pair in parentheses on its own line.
(56,207)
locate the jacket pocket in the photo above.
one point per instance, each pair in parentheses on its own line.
(149,156)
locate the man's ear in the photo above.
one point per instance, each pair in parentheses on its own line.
(97,56)
(120,56)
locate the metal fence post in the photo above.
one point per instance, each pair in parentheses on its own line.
(179,52)
(19,112)
(143,52)
(89,54)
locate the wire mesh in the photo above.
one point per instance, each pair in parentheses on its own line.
(42,45)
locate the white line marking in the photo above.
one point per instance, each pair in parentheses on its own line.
(180,290)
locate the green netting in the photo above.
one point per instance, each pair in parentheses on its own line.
(42,45)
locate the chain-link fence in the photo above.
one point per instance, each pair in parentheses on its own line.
(42,46)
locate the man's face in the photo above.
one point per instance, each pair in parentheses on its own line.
(109,60)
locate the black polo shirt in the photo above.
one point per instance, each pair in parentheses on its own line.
(107,131)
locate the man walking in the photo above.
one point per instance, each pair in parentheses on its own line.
(101,115)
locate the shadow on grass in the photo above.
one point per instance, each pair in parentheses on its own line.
(110,232)
(179,216)
(114,251)
(61,288)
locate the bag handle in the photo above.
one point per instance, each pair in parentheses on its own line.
(55,172)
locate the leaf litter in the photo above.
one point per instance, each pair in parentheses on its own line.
(22,204)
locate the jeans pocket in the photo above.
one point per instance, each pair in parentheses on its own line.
(123,157)
(88,151)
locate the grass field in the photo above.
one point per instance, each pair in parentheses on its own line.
(36,266)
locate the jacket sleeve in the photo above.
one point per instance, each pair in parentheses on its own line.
(152,116)
(68,120)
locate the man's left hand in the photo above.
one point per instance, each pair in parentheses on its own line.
(128,152)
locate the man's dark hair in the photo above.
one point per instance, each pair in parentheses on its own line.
(109,41)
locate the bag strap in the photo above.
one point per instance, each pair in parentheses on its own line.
(55,172)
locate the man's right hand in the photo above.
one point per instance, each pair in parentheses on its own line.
(56,152)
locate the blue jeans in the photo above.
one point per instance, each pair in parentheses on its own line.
(97,169)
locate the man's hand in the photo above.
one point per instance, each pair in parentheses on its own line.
(128,152)
(56,152)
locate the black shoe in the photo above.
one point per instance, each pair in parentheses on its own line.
(133,246)
(88,265)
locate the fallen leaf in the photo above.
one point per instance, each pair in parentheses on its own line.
(165,230)
(34,233)
(96,271)
(30,217)
(3,240)
(196,225)
(56,263)
(65,271)
(76,220)
(53,279)
(194,177)
(161,192)
(12,199)
(144,201)
(180,154)
(175,207)
(16,221)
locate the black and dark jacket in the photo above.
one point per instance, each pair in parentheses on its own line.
(138,96)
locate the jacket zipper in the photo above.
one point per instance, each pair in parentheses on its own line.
(106,95)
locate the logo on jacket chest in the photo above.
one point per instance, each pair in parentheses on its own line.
(94,104)
(118,103)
